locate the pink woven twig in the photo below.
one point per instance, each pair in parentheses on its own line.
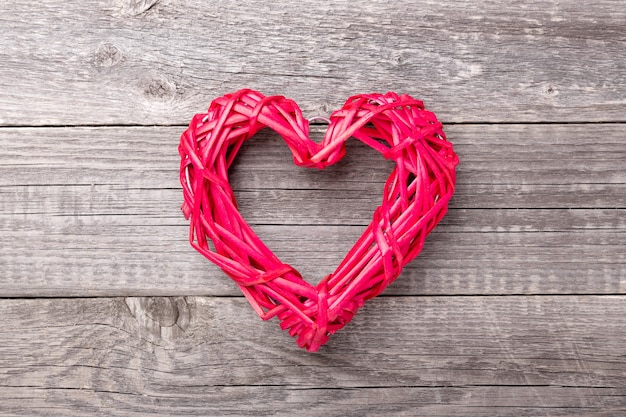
(415,198)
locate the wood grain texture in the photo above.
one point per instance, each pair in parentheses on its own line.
(95,212)
(157,62)
(135,170)
(478,356)
(516,306)
(508,252)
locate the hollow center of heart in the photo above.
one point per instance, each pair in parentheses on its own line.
(309,218)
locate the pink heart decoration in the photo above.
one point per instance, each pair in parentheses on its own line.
(415,198)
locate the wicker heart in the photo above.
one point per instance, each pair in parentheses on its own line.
(415,198)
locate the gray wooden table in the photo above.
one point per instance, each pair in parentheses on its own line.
(516,306)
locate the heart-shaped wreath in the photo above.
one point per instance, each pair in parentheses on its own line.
(415,198)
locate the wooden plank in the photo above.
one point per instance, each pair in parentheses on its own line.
(158,62)
(476,356)
(135,170)
(471,252)
(252,401)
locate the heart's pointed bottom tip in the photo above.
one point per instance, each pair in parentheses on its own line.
(313,345)
(313,336)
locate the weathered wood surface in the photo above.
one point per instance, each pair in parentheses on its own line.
(156,62)
(503,166)
(116,258)
(96,212)
(426,356)
(516,306)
